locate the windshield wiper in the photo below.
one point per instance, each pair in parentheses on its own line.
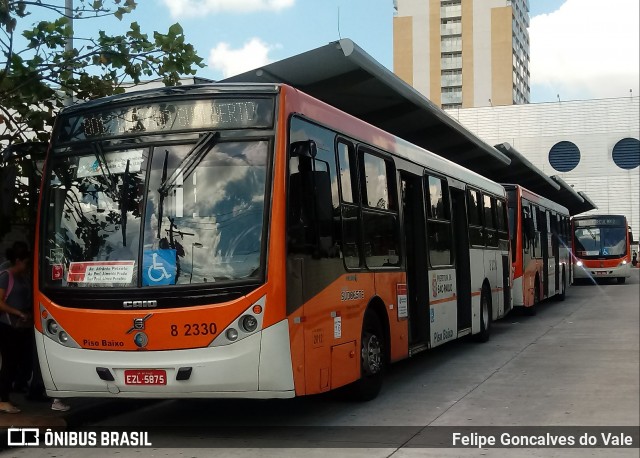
(190,162)
(161,199)
(185,167)
(124,196)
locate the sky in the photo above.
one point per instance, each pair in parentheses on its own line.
(580,49)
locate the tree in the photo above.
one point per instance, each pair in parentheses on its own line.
(34,80)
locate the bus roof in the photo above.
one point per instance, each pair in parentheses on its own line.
(535,198)
(397,146)
(376,137)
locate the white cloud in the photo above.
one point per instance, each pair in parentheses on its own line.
(587,49)
(191,8)
(254,53)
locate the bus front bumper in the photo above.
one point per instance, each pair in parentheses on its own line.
(258,366)
(583,271)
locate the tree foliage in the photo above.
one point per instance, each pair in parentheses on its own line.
(34,80)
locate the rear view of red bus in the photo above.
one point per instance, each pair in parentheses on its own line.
(602,247)
(539,230)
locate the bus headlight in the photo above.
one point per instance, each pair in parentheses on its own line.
(249,323)
(623,263)
(55,332)
(52,327)
(579,263)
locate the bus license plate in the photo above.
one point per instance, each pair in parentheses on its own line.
(145,377)
(600,272)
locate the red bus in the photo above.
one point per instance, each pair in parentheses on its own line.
(539,230)
(602,247)
(252,241)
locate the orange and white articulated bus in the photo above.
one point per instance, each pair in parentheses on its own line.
(602,247)
(252,241)
(540,246)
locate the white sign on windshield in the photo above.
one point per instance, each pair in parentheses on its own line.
(89,166)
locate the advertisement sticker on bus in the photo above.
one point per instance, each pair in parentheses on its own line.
(401,293)
(442,285)
(101,272)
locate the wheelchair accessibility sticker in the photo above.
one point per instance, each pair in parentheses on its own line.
(159,267)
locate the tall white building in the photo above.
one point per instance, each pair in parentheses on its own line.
(592,144)
(464,53)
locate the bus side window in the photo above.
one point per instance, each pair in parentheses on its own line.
(503,231)
(491,233)
(528,229)
(474,210)
(349,204)
(535,222)
(314,209)
(439,222)
(379,212)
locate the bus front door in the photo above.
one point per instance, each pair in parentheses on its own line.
(417,272)
(463,262)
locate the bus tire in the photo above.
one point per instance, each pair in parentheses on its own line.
(372,359)
(621,280)
(563,285)
(485,316)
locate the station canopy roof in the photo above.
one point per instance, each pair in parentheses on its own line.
(346,77)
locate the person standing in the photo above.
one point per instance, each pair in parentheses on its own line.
(16,325)
(15,316)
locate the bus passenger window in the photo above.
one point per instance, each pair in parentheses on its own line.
(501,218)
(474,210)
(490,221)
(528,229)
(380,218)
(381,240)
(439,223)
(346,179)
(376,183)
(350,236)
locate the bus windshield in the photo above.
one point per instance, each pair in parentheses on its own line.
(139,217)
(600,242)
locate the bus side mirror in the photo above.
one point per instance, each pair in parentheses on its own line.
(304,148)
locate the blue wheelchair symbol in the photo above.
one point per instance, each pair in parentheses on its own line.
(605,252)
(159,267)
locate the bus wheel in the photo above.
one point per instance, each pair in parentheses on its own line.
(372,357)
(485,316)
(621,280)
(563,291)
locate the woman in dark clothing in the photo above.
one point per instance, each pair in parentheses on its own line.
(15,313)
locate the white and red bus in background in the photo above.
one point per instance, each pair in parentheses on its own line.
(541,255)
(252,241)
(602,247)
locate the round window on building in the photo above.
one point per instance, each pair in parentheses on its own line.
(564,156)
(626,153)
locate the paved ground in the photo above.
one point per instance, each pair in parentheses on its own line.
(575,363)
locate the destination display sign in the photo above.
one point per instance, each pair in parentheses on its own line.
(179,115)
(600,221)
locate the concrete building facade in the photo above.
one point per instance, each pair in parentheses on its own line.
(464,53)
(593,145)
